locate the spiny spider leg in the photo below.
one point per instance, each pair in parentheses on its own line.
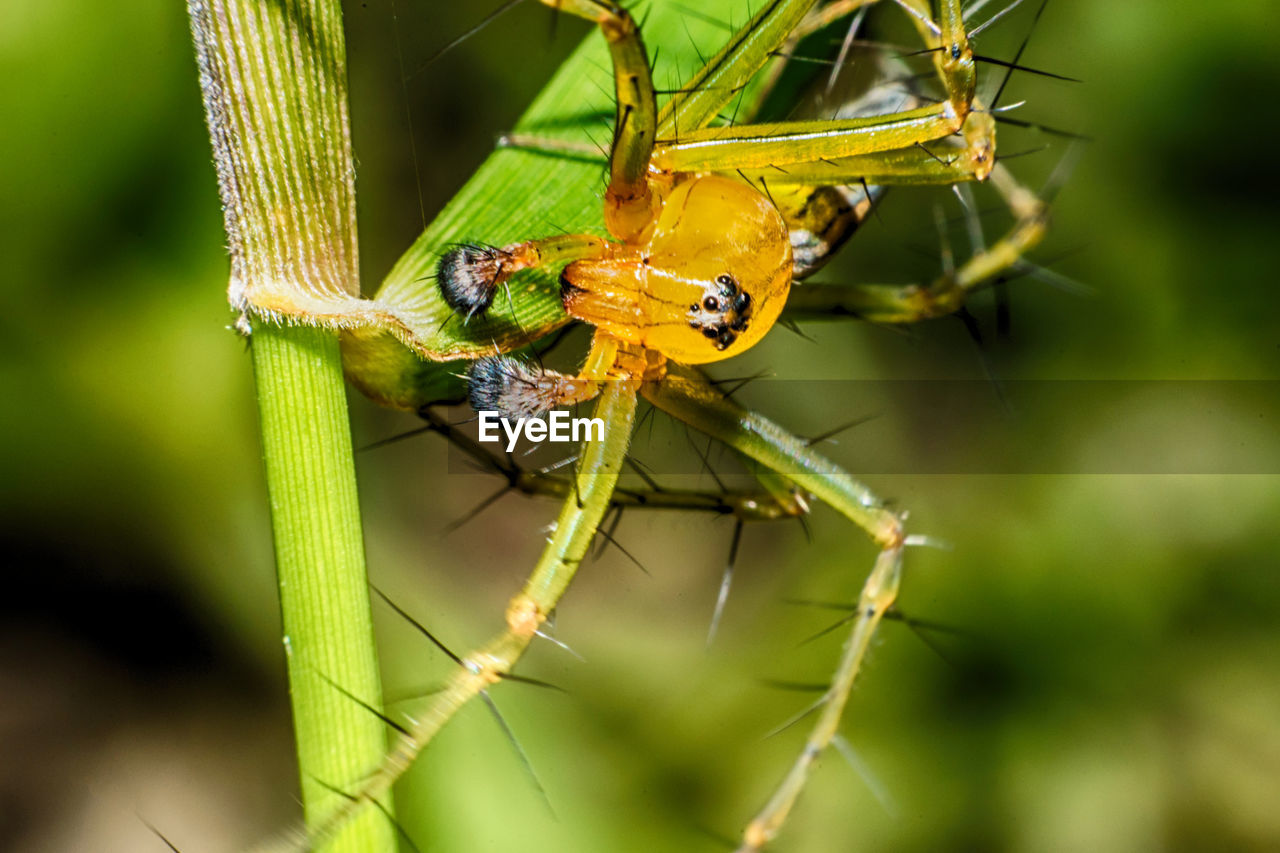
(688,397)
(910,303)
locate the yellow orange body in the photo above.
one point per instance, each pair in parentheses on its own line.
(709,283)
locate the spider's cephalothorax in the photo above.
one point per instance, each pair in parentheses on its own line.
(704,282)
(710,281)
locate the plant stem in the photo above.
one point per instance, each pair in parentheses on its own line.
(324,597)
(274,81)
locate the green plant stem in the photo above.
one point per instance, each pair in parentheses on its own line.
(324,597)
(273,77)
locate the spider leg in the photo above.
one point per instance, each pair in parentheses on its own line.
(825,198)
(778,144)
(630,203)
(821,219)
(689,398)
(781,144)
(697,103)
(580,516)
(878,594)
(909,303)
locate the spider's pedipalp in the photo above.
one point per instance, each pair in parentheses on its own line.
(513,389)
(468,277)
(502,384)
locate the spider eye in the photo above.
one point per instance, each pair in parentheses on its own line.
(726,279)
(711,303)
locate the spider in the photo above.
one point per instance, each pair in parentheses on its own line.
(708,226)
(703,258)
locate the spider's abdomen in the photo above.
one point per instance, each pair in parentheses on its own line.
(710,282)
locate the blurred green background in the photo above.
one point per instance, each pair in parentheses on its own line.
(1112,680)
